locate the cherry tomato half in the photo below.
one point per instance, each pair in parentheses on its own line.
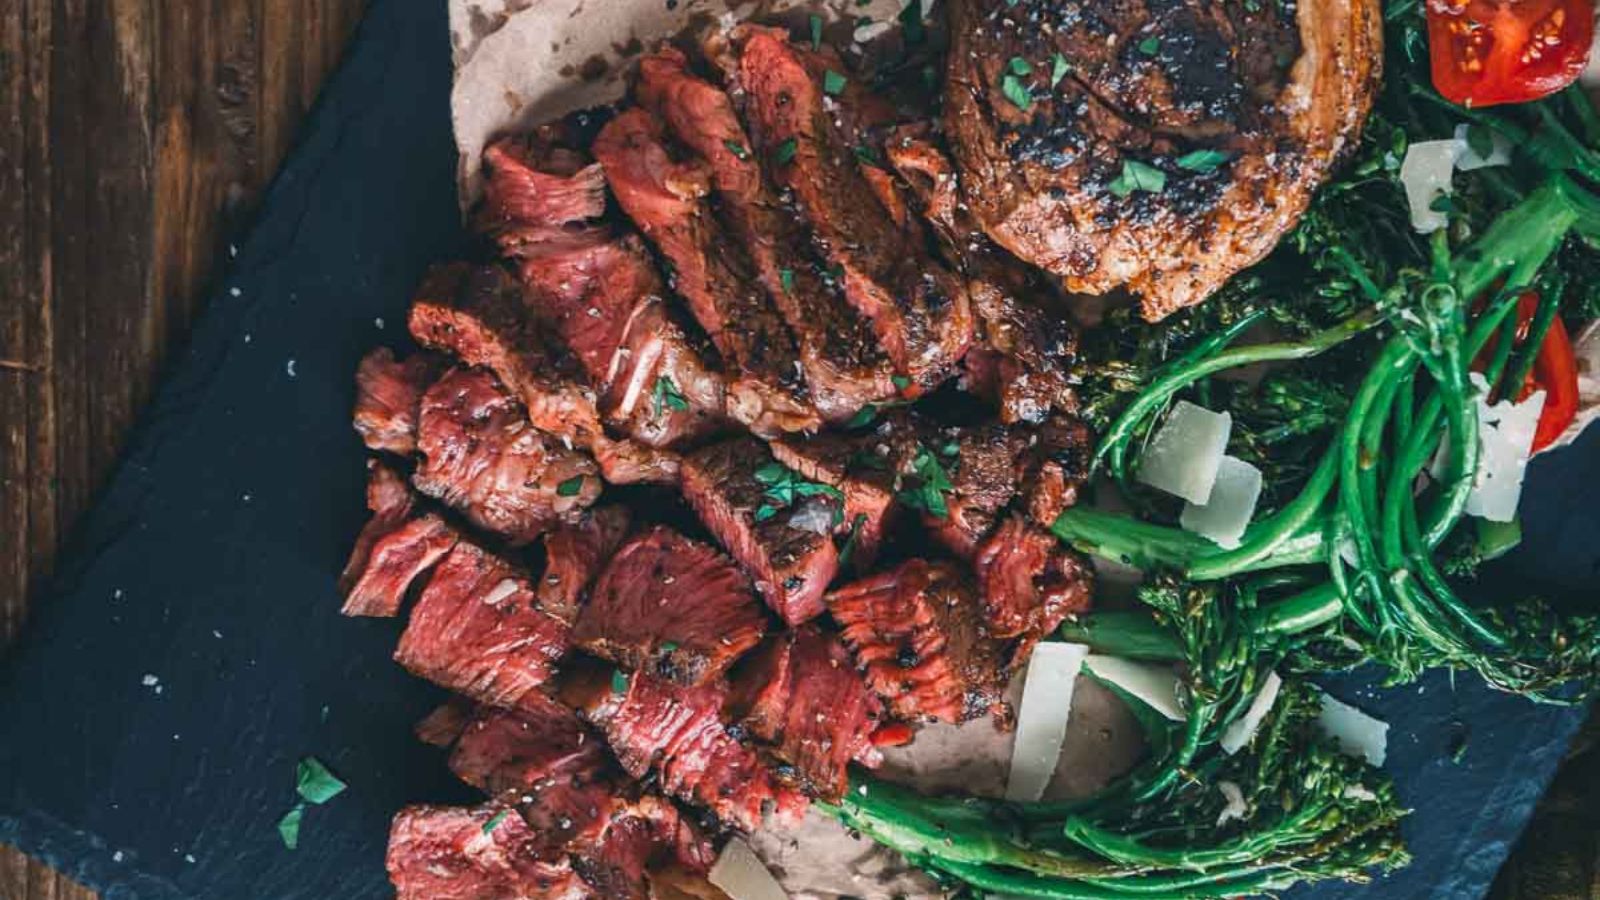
(1485,52)
(1555,371)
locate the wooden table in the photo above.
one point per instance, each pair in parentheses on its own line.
(135,137)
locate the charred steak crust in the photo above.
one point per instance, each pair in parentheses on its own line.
(1275,92)
(574,555)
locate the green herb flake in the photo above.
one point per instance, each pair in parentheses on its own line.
(619,681)
(737,149)
(668,646)
(314,783)
(1019,66)
(1150,46)
(783,486)
(929,482)
(289,826)
(665,396)
(1016,92)
(1138,176)
(570,487)
(863,417)
(786,276)
(866,155)
(785,152)
(816,32)
(833,83)
(1059,67)
(849,549)
(1203,160)
(900,382)
(495,820)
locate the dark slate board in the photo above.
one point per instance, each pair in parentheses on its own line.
(209,565)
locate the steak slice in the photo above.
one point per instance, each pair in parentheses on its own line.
(394,561)
(844,368)
(388,393)
(919,310)
(1030,581)
(775,524)
(477,314)
(1057,468)
(801,694)
(573,556)
(676,732)
(481,456)
(983,465)
(390,501)
(527,205)
(853,464)
(917,633)
(475,631)
(1236,112)
(450,853)
(668,199)
(675,608)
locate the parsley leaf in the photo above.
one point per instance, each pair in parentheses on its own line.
(833,83)
(1016,91)
(1204,160)
(314,783)
(1059,67)
(863,417)
(816,32)
(668,646)
(665,395)
(785,152)
(900,381)
(866,155)
(289,826)
(1150,46)
(570,487)
(1138,176)
(1019,66)
(928,487)
(784,486)
(494,822)
(737,149)
(786,276)
(619,681)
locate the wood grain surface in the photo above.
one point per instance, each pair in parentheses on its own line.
(135,138)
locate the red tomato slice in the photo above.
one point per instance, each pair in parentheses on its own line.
(1485,52)
(1555,371)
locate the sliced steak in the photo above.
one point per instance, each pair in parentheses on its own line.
(481,456)
(675,608)
(802,695)
(983,465)
(1184,141)
(475,630)
(574,555)
(774,523)
(917,632)
(676,732)
(390,501)
(396,558)
(442,727)
(477,314)
(525,204)
(667,197)
(1057,467)
(1030,581)
(843,365)
(388,393)
(450,853)
(919,310)
(853,464)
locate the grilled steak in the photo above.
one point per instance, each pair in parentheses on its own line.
(777,529)
(853,464)
(676,732)
(917,633)
(983,464)
(574,555)
(1030,581)
(667,198)
(475,631)
(1184,141)
(477,314)
(1057,468)
(481,456)
(802,695)
(449,853)
(390,501)
(527,206)
(672,607)
(387,395)
(444,725)
(843,366)
(919,310)
(395,559)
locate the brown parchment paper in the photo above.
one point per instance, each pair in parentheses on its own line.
(520,63)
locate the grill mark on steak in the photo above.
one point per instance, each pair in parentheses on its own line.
(388,393)
(844,368)
(791,565)
(482,457)
(477,314)
(675,608)
(1281,88)
(919,311)
(666,198)
(475,630)
(574,555)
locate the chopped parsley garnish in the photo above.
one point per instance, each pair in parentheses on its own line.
(929,481)
(1205,160)
(951,448)
(668,646)
(619,681)
(816,32)
(289,826)
(786,276)
(849,548)
(314,783)
(1019,66)
(494,822)
(863,417)
(833,83)
(900,381)
(570,487)
(1059,67)
(1138,176)
(665,396)
(1016,91)
(785,152)
(866,155)
(737,149)
(784,486)
(1150,46)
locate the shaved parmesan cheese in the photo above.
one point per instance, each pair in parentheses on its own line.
(1225,516)
(1184,453)
(1468,159)
(1353,731)
(1505,441)
(1242,730)
(1042,718)
(1156,686)
(1236,807)
(742,876)
(1425,174)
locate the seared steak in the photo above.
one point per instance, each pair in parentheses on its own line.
(477,314)
(387,395)
(395,559)
(852,464)
(1180,143)
(449,853)
(672,607)
(475,631)
(1030,581)
(919,310)
(481,456)
(776,525)
(917,633)
(667,198)
(801,694)
(574,555)
(843,366)
(983,464)
(390,501)
(1056,468)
